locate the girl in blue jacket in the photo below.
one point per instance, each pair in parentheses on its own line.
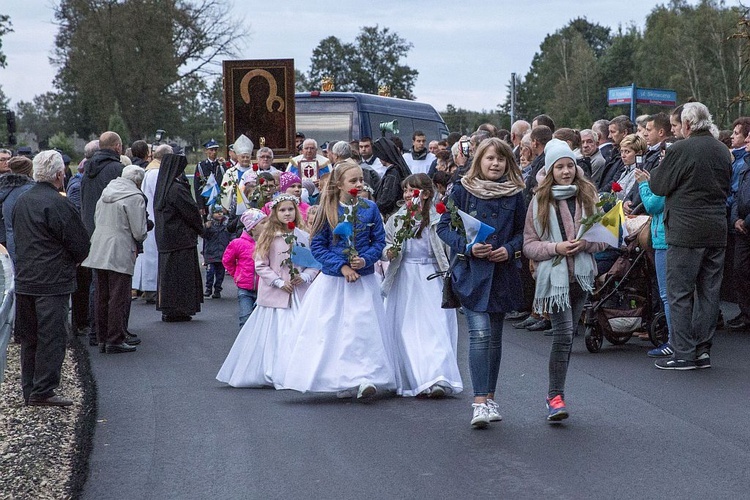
(487,277)
(341,343)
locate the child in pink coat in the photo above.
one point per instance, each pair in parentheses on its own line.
(260,346)
(239,262)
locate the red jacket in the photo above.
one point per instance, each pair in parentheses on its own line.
(239,263)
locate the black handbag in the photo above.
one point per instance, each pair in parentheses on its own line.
(450,299)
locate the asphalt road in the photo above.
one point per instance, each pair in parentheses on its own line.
(168,429)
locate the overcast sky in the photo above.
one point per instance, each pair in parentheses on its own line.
(465,53)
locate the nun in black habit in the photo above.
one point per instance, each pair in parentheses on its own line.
(178,225)
(389,191)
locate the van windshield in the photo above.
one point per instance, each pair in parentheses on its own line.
(325,126)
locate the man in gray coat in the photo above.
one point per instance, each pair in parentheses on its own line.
(694,177)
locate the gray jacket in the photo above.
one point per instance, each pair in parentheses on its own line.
(120,224)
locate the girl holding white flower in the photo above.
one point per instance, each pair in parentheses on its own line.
(563,198)
(425,335)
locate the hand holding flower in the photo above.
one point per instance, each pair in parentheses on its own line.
(350,274)
(357,263)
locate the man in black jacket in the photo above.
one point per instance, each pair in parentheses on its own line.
(50,242)
(98,172)
(694,179)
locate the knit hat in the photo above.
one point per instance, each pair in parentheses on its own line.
(21,165)
(310,186)
(286,180)
(554,150)
(251,217)
(217,209)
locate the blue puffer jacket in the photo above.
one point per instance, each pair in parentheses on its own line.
(654,205)
(738,164)
(481,285)
(369,242)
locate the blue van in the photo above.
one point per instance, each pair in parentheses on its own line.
(338,116)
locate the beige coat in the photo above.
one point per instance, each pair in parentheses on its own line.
(120,220)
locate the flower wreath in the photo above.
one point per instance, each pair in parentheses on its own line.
(284,197)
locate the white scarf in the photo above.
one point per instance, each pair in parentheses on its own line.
(552,283)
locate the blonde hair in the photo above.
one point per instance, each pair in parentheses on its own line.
(328,213)
(272,228)
(634,142)
(501,149)
(586,195)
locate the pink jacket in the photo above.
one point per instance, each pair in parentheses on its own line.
(270,269)
(239,263)
(538,250)
(303,207)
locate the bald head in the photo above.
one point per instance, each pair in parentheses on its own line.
(518,130)
(110,140)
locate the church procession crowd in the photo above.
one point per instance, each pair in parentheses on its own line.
(353,260)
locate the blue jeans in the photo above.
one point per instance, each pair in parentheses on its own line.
(215,276)
(485,349)
(564,323)
(660,259)
(246,299)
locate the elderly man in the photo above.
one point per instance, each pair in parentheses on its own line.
(51,241)
(120,227)
(146,271)
(232,182)
(695,221)
(264,158)
(5,155)
(601,127)
(590,149)
(517,131)
(341,150)
(104,166)
(309,165)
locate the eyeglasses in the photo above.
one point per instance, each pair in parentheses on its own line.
(265,157)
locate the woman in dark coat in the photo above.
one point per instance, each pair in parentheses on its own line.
(178,225)
(389,190)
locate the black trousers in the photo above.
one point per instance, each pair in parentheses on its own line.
(741,276)
(112,305)
(80,299)
(41,327)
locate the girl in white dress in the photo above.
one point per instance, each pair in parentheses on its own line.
(251,361)
(425,334)
(341,343)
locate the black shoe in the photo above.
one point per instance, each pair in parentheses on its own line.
(132,340)
(50,401)
(526,323)
(517,315)
(118,348)
(541,325)
(83,331)
(741,326)
(207,293)
(675,364)
(703,361)
(175,319)
(740,318)
(216,295)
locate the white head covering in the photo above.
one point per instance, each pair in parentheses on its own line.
(243,145)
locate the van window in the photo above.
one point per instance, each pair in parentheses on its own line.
(325,127)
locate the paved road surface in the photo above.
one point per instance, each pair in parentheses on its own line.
(168,429)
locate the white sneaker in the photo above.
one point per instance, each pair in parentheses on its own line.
(366,391)
(346,393)
(493,410)
(481,418)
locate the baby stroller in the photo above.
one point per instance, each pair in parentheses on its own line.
(624,302)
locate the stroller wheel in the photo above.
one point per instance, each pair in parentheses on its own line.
(658,332)
(593,339)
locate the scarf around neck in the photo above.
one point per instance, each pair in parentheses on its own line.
(488,190)
(552,293)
